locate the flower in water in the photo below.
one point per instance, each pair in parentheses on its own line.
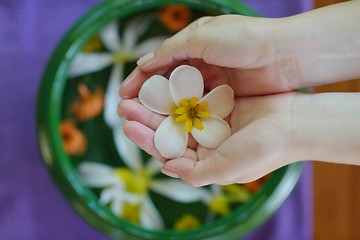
(88,105)
(74,140)
(128,187)
(223,197)
(188,110)
(175,17)
(121,50)
(187,222)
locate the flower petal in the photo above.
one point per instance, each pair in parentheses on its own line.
(220,101)
(178,190)
(84,63)
(171,138)
(94,174)
(112,97)
(186,82)
(214,133)
(148,45)
(110,37)
(130,153)
(112,194)
(155,95)
(153,166)
(133,30)
(150,217)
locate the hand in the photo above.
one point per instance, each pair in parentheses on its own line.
(231,49)
(260,142)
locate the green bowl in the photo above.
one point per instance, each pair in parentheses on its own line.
(57,92)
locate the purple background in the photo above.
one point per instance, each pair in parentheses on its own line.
(31,207)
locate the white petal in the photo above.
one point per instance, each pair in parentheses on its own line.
(178,190)
(110,37)
(214,133)
(148,45)
(153,166)
(171,138)
(220,100)
(94,174)
(186,82)
(116,203)
(110,194)
(134,29)
(130,154)
(89,62)
(155,95)
(112,97)
(150,217)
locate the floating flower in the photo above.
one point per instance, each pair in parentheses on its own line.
(222,197)
(87,105)
(74,140)
(187,222)
(97,175)
(128,187)
(175,17)
(122,49)
(188,111)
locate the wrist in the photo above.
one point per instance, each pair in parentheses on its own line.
(320,46)
(326,127)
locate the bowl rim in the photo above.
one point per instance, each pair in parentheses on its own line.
(250,216)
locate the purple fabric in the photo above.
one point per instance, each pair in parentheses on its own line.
(31,207)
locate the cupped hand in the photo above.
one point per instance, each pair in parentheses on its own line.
(261,141)
(231,49)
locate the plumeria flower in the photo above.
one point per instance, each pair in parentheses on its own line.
(97,175)
(124,49)
(188,110)
(222,197)
(132,183)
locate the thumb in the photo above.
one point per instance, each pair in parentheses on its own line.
(215,169)
(186,44)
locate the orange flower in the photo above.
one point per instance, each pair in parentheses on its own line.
(88,105)
(175,17)
(74,141)
(256,185)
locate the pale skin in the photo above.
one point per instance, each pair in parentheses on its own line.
(264,61)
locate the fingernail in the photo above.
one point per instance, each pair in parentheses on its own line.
(145,59)
(169,173)
(127,81)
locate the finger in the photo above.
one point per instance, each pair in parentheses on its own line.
(133,110)
(186,44)
(131,85)
(143,137)
(199,173)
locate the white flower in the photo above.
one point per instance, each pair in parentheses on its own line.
(122,50)
(181,97)
(132,183)
(222,197)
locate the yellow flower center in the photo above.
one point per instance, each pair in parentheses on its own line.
(187,222)
(135,182)
(123,57)
(93,45)
(131,212)
(191,112)
(220,205)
